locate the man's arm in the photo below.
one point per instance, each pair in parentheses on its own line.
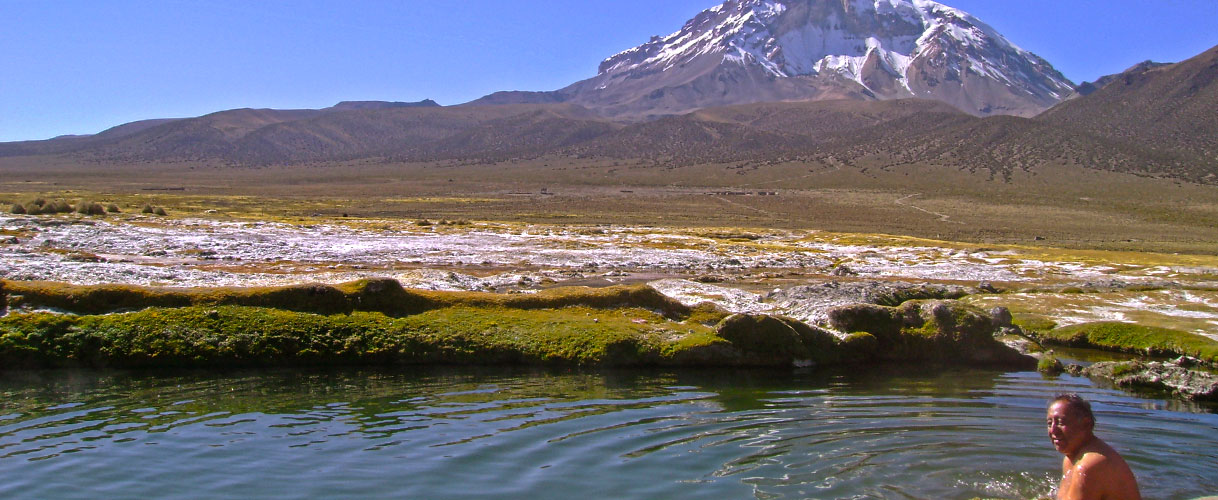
(1082,481)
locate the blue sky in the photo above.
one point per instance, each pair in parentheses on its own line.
(79,67)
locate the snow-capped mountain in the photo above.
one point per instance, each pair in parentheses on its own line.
(780,50)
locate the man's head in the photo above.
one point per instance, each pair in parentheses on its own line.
(1070,423)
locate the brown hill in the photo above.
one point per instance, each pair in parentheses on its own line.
(1153,121)
(1171,112)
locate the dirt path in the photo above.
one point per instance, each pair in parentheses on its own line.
(942,217)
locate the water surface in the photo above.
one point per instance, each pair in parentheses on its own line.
(904,432)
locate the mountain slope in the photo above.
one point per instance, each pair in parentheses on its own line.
(745,51)
(1171,110)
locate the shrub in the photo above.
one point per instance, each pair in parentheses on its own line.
(160,211)
(112,208)
(147,209)
(85,208)
(58,207)
(17,209)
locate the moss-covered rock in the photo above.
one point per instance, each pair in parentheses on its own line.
(770,340)
(1133,338)
(1049,365)
(858,347)
(1174,377)
(941,331)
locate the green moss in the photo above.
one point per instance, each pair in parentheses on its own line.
(381,295)
(706,314)
(1049,365)
(1128,337)
(1029,322)
(255,336)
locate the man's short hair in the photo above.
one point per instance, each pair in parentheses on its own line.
(1076,404)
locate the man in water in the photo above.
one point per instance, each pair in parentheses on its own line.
(1091,469)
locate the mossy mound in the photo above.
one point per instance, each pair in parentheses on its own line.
(940,331)
(1132,338)
(376,321)
(383,295)
(229,336)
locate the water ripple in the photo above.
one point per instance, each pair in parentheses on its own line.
(472,434)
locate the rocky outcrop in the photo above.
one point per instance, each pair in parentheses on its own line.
(937,330)
(1180,376)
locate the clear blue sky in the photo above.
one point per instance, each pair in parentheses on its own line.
(81,66)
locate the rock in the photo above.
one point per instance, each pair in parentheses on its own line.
(1002,317)
(1014,340)
(1172,376)
(1050,365)
(843,271)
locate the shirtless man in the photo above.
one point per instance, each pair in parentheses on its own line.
(1091,470)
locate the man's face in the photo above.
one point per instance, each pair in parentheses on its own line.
(1068,430)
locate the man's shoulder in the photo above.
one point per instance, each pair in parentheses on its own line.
(1098,458)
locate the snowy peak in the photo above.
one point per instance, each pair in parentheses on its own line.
(887,48)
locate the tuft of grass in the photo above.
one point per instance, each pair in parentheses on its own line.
(17,209)
(90,208)
(1133,338)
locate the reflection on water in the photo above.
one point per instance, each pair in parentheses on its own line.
(904,432)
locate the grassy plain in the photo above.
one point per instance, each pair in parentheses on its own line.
(1054,207)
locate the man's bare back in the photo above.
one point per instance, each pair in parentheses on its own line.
(1091,470)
